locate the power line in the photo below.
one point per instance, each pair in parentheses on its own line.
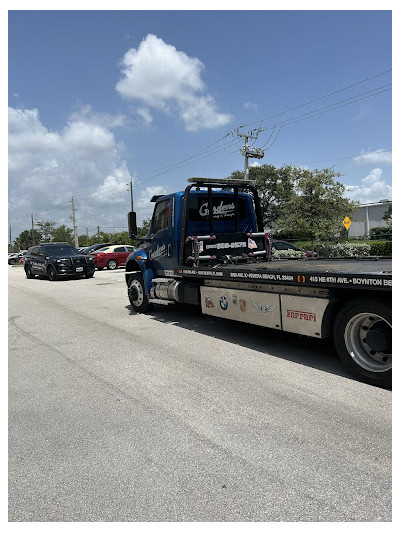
(332,107)
(317,99)
(346,157)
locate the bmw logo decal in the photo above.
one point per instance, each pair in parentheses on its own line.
(223,302)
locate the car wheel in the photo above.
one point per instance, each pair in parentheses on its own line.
(12,261)
(137,294)
(363,339)
(52,274)
(28,272)
(112,264)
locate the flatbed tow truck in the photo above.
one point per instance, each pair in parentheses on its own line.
(207,246)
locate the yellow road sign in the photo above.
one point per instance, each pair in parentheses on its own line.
(346,223)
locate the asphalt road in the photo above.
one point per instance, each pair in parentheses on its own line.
(175,416)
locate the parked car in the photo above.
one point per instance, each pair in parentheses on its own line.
(15,258)
(112,256)
(94,247)
(283,245)
(56,260)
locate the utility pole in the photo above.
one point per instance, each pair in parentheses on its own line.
(87,237)
(98,231)
(32,230)
(10,236)
(74,224)
(248,152)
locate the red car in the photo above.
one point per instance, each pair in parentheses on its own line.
(112,256)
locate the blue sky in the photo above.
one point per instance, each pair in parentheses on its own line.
(99,97)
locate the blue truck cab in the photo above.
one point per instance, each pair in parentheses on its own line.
(211,221)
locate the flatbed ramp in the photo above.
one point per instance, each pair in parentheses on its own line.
(338,273)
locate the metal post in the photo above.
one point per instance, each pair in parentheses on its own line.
(87,237)
(32,230)
(366,222)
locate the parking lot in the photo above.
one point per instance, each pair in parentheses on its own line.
(176,416)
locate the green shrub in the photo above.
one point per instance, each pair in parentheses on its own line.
(381,248)
(343,250)
(287,254)
(380,233)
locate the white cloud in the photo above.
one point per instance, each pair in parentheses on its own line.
(373,188)
(168,80)
(47,168)
(145,114)
(375,157)
(252,106)
(105,120)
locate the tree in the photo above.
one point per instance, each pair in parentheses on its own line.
(275,187)
(27,238)
(317,207)
(83,240)
(63,234)
(143,230)
(46,228)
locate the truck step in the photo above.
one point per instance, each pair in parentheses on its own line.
(161,302)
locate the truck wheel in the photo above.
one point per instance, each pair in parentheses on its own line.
(112,264)
(363,340)
(52,274)
(137,295)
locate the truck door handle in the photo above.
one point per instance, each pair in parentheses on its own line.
(169,250)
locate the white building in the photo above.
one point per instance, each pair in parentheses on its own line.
(368,216)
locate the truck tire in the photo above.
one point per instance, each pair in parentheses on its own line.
(363,339)
(137,295)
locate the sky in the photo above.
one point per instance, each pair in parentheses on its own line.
(99,98)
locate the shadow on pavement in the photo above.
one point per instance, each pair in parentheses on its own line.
(315,353)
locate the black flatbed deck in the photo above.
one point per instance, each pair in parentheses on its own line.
(372,273)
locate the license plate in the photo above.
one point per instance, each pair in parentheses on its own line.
(79,269)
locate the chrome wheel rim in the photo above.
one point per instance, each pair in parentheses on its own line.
(136,294)
(367,340)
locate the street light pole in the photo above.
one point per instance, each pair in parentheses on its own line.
(131,195)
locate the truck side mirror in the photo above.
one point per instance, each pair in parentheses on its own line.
(132,225)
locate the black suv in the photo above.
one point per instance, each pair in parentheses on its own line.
(56,260)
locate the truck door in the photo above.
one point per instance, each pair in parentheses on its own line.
(161,249)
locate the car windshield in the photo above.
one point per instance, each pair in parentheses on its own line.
(61,249)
